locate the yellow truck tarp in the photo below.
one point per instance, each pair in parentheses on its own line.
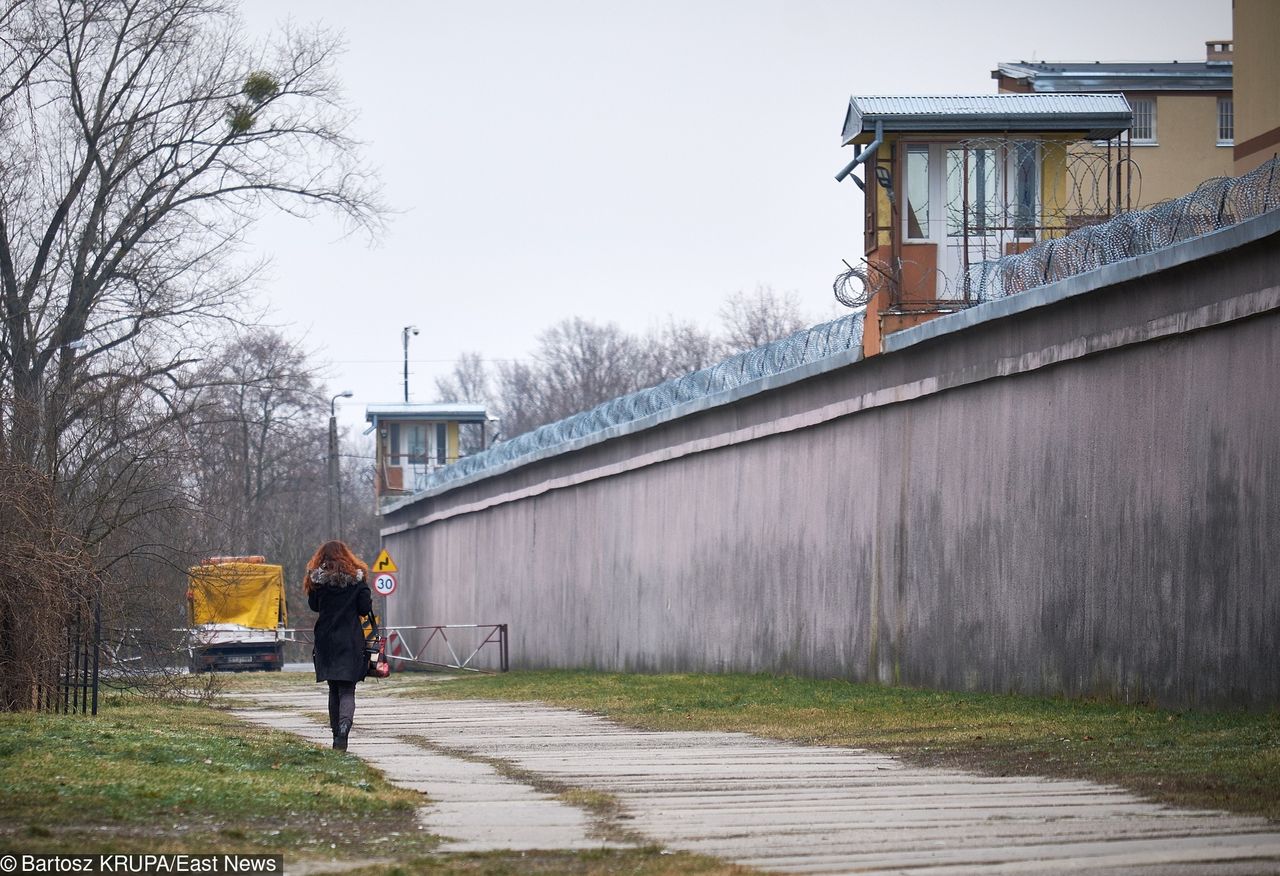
(248,594)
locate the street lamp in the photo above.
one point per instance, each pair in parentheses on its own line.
(404,337)
(335,494)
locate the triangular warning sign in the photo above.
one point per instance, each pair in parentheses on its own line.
(384,563)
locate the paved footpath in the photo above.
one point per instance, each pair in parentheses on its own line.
(770,805)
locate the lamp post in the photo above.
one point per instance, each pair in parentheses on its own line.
(404,338)
(335,494)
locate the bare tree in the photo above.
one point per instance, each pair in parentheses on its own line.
(579,364)
(139,139)
(468,382)
(518,399)
(35,609)
(754,319)
(677,348)
(583,364)
(259,446)
(360,521)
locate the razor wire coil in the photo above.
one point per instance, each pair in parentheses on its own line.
(805,346)
(1214,204)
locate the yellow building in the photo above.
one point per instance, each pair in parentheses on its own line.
(955,181)
(414,440)
(1257,82)
(1184,114)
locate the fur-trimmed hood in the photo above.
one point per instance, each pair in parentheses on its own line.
(334,578)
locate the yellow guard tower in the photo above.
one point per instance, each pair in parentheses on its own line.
(414,440)
(955,181)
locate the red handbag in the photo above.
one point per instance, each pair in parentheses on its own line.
(375,650)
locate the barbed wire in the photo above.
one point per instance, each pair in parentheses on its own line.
(801,348)
(1216,203)
(1003,190)
(995,201)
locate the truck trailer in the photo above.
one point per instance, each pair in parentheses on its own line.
(236,608)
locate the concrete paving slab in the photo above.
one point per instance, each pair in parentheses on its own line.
(475,807)
(770,805)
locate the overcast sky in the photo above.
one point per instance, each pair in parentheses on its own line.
(624,161)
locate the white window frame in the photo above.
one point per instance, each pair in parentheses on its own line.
(934,194)
(936,230)
(1229,116)
(1152,137)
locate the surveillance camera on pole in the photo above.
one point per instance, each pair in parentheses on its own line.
(404,337)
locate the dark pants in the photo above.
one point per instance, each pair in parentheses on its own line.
(342,703)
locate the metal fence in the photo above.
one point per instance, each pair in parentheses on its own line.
(431,645)
(71,683)
(1216,203)
(803,347)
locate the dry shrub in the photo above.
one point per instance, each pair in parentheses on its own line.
(47,583)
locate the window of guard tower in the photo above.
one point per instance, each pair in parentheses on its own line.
(998,197)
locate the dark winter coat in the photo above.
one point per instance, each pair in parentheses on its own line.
(341,600)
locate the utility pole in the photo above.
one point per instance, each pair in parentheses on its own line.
(335,495)
(404,337)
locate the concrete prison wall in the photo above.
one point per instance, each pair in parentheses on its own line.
(1075,491)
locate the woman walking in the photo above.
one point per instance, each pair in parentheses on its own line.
(336,587)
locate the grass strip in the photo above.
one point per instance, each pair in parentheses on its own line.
(1221,760)
(648,861)
(166,776)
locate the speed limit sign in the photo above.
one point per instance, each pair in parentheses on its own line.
(384,584)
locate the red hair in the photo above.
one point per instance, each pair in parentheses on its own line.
(333,556)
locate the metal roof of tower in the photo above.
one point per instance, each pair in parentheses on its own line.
(1070,76)
(462,413)
(1095,116)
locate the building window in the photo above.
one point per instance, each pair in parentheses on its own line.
(973,191)
(917,217)
(1226,122)
(1144,121)
(416,441)
(1026,187)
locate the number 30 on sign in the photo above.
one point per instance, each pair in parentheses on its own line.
(384,584)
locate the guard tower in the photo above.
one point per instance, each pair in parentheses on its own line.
(414,440)
(955,181)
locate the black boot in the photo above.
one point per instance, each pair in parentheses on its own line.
(340,735)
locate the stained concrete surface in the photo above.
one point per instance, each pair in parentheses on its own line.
(473,805)
(1078,498)
(770,805)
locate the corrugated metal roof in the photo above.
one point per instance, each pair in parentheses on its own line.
(1073,76)
(1098,116)
(440,411)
